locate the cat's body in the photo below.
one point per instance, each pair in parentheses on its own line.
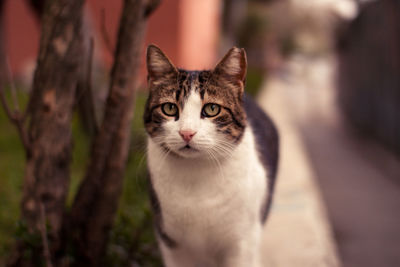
(211,183)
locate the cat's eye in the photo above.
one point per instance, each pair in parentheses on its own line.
(169,109)
(211,110)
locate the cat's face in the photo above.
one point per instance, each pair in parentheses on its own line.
(196,113)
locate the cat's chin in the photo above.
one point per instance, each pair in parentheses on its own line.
(188,152)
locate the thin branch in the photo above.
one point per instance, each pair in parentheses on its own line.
(88,85)
(151,5)
(7,109)
(22,132)
(13,115)
(18,117)
(43,233)
(25,114)
(90,64)
(12,86)
(104,33)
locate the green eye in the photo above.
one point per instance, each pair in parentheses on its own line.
(169,109)
(211,110)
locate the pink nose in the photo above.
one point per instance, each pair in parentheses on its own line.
(187,135)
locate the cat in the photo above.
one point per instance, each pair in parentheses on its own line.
(212,158)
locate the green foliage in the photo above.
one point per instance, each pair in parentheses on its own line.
(254,80)
(12,160)
(80,156)
(32,242)
(132,238)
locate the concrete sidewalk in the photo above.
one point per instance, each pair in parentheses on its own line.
(358,178)
(297,232)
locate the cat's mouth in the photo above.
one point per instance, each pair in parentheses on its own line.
(188,148)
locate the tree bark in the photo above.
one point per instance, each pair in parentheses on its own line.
(84,94)
(96,203)
(50,109)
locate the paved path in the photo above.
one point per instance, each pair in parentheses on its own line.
(297,232)
(359,181)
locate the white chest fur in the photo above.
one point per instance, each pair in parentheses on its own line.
(208,205)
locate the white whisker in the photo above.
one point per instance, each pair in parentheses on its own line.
(218,164)
(164,157)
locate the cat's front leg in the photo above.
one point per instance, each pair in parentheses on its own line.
(245,253)
(249,259)
(175,257)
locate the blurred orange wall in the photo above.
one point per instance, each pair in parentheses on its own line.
(199,32)
(186,30)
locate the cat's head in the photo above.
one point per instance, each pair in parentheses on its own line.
(196,113)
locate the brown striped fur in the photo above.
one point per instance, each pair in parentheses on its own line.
(224,85)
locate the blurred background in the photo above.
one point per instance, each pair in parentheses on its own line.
(333,64)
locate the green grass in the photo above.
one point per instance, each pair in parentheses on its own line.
(12,161)
(132,238)
(133,231)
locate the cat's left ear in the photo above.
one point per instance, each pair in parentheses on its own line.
(233,66)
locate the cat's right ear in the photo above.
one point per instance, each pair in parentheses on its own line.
(233,66)
(158,64)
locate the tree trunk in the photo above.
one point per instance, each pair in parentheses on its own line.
(84,95)
(50,108)
(96,203)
